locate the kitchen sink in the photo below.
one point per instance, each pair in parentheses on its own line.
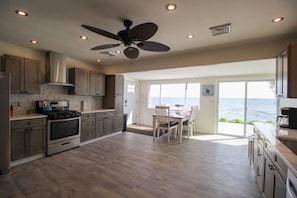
(291,144)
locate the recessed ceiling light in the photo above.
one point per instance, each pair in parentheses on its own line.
(83,37)
(190,36)
(21,12)
(171,6)
(277,19)
(98,60)
(118,51)
(34,41)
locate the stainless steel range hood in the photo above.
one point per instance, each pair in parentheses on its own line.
(55,69)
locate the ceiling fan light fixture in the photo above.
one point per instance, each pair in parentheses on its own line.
(277,19)
(21,12)
(171,7)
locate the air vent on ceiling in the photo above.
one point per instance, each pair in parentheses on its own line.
(221,29)
(109,53)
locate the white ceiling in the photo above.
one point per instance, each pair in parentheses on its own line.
(57,24)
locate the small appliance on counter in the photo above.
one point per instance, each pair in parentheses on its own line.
(288,119)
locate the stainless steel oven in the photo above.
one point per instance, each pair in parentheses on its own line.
(63,125)
(63,134)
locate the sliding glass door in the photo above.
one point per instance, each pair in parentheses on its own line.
(242,103)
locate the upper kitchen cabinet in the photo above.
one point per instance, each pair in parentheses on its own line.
(97,83)
(25,74)
(286,71)
(114,96)
(80,79)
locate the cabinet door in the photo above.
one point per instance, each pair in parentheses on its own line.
(119,85)
(19,143)
(32,76)
(108,125)
(279,186)
(268,177)
(15,66)
(100,124)
(100,83)
(97,84)
(80,79)
(37,140)
(118,122)
(279,77)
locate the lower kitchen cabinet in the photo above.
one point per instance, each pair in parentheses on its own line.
(28,137)
(274,186)
(104,123)
(87,126)
(271,170)
(98,124)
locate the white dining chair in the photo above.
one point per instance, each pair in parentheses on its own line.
(163,121)
(190,124)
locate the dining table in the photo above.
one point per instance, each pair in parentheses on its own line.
(179,117)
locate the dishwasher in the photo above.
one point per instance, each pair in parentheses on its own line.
(291,185)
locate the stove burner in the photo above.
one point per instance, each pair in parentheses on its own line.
(64,114)
(59,109)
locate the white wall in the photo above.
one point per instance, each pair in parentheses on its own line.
(207,115)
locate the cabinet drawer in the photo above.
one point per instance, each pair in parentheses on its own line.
(27,123)
(88,116)
(105,114)
(281,166)
(88,124)
(87,134)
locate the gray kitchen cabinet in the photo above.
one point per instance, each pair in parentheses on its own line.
(25,74)
(97,83)
(88,127)
(114,98)
(104,123)
(286,71)
(80,79)
(28,138)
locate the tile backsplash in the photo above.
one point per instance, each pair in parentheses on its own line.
(52,92)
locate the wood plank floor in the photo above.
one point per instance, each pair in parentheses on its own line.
(133,165)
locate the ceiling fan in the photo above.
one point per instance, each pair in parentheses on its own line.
(137,35)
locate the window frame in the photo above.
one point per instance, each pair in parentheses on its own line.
(185,96)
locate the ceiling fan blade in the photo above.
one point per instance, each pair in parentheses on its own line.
(153,46)
(101,32)
(131,52)
(100,47)
(143,31)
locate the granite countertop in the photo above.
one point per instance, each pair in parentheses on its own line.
(27,116)
(272,133)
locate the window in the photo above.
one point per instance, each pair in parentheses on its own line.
(186,94)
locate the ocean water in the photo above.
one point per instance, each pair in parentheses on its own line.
(257,109)
(233,108)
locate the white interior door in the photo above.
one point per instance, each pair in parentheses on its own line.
(130,101)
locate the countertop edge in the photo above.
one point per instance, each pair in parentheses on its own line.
(272,133)
(27,116)
(96,111)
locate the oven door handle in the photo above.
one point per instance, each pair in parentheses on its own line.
(64,143)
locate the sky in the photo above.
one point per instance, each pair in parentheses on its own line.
(256,89)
